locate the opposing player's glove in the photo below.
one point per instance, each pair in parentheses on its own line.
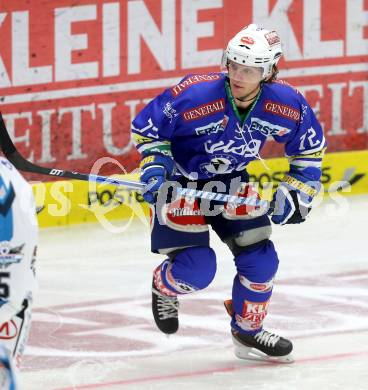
(293,198)
(155,169)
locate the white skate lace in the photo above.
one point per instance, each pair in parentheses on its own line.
(266,338)
(167,307)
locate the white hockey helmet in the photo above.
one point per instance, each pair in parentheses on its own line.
(254,46)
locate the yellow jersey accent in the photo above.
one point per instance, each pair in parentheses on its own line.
(147,160)
(299,185)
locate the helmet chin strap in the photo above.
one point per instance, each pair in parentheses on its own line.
(244,99)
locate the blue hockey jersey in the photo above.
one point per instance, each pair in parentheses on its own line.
(197,123)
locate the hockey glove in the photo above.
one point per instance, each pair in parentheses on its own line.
(293,198)
(155,169)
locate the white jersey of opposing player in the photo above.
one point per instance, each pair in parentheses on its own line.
(18,243)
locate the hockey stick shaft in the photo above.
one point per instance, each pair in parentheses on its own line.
(11,153)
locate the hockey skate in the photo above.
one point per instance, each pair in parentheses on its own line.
(263,346)
(165,311)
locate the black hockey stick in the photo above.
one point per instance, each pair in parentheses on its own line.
(11,153)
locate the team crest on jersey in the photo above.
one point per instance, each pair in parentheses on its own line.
(219,164)
(267,128)
(170,111)
(213,127)
(9,255)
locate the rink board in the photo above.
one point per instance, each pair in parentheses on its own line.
(74,202)
(74,73)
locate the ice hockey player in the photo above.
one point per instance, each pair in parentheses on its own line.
(202,133)
(18,243)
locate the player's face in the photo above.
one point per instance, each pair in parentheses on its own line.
(243,79)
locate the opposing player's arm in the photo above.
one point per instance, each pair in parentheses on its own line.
(304,148)
(18,241)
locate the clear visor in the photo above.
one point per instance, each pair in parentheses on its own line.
(238,72)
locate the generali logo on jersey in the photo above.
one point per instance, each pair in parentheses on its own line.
(198,78)
(204,110)
(281,110)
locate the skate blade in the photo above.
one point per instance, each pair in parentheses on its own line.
(249,353)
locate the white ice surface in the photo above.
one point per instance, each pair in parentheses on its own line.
(93,329)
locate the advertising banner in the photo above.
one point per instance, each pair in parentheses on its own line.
(73,202)
(73,74)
